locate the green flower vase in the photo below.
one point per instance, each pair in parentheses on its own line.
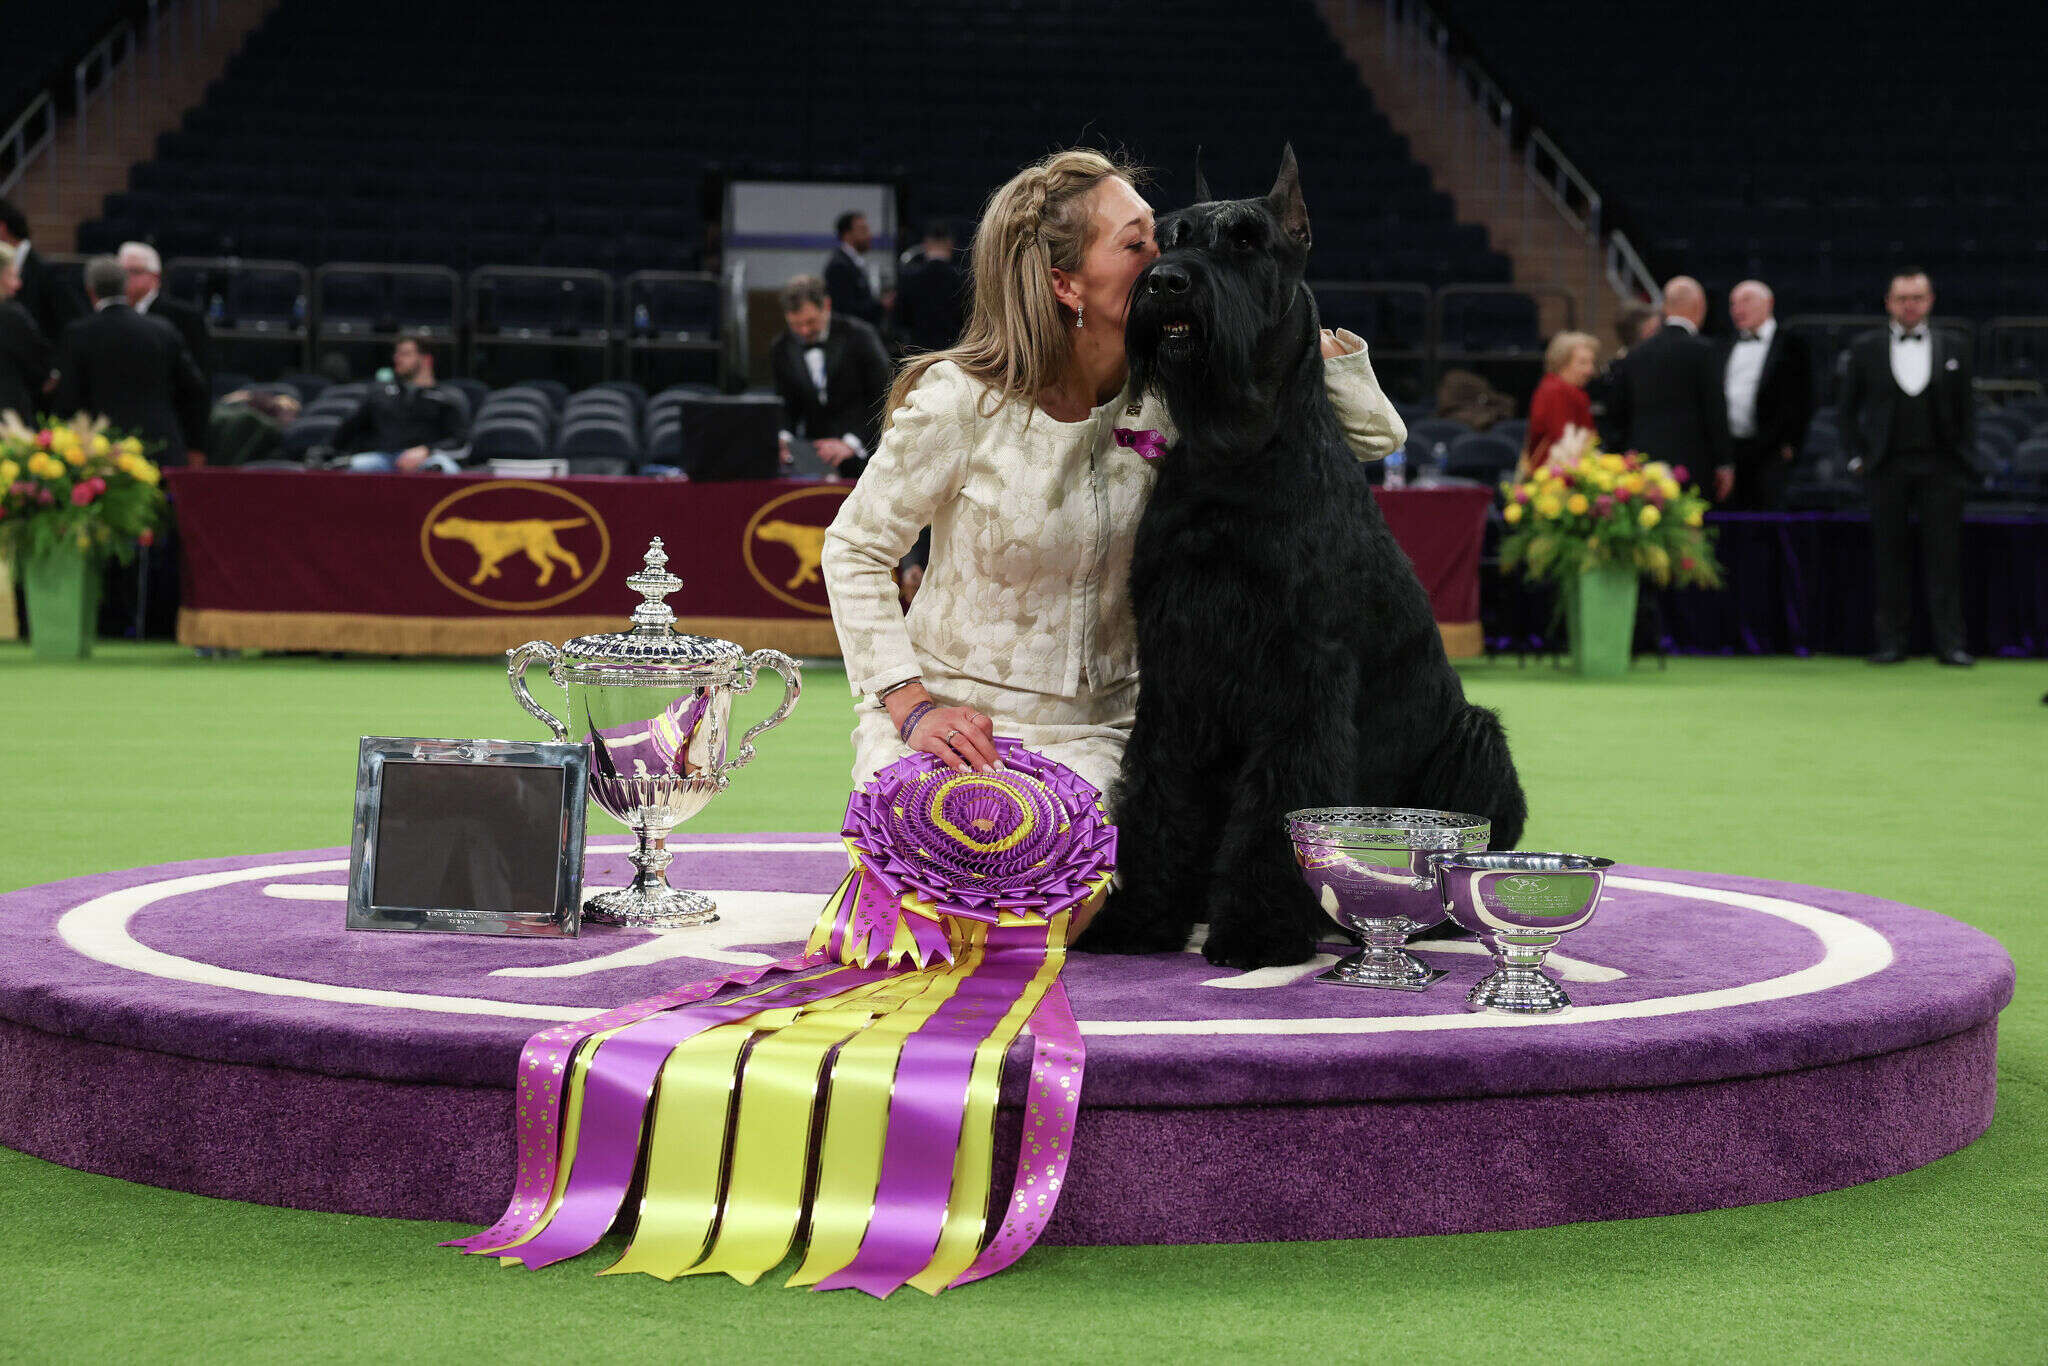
(1600,615)
(63,593)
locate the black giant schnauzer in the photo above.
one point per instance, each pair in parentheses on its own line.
(1287,651)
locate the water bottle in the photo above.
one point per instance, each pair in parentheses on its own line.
(216,310)
(642,322)
(1397,468)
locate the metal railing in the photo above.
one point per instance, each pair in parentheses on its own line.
(19,148)
(100,83)
(1497,142)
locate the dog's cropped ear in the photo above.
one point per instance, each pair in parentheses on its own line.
(1202,195)
(1285,198)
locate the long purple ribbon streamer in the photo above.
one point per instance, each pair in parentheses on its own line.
(615,1096)
(543,1072)
(1052,1105)
(925,1112)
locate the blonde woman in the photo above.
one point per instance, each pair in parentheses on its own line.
(1560,401)
(1004,445)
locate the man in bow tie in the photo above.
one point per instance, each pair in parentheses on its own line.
(1908,427)
(832,375)
(1767,378)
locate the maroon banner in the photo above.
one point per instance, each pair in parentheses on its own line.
(417,563)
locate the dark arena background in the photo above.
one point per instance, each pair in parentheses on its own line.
(461,304)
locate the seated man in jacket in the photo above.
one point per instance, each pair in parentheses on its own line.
(832,376)
(408,422)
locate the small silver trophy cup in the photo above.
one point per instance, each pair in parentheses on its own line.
(1518,904)
(653,705)
(1373,871)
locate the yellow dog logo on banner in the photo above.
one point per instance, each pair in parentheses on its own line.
(529,559)
(495,542)
(784,544)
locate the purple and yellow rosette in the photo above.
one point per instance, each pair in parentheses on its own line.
(854,1095)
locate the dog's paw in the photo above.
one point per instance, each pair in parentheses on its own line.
(1246,947)
(1123,926)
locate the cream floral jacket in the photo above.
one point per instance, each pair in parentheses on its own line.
(1032,523)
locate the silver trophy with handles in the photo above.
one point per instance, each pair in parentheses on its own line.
(654,705)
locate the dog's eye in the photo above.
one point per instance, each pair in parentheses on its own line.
(1245,237)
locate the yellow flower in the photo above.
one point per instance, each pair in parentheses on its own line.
(1631,484)
(1549,505)
(1554,487)
(45,466)
(1649,516)
(1577,505)
(130,446)
(1670,487)
(84,541)
(1657,469)
(148,473)
(1695,516)
(1512,513)
(9,471)
(100,444)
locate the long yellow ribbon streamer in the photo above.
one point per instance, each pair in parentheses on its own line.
(967,1210)
(687,1148)
(771,1143)
(856,1117)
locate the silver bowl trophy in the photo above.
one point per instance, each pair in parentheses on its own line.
(1373,871)
(653,705)
(1518,904)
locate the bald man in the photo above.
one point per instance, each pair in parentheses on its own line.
(1667,400)
(1767,379)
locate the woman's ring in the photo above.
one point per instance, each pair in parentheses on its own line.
(951,736)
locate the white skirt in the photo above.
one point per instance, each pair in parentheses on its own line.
(1087,733)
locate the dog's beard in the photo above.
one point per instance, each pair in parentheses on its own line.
(1207,376)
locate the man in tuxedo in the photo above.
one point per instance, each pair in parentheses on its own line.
(833,377)
(846,272)
(54,304)
(24,350)
(1667,400)
(932,295)
(145,295)
(1909,431)
(1767,379)
(132,370)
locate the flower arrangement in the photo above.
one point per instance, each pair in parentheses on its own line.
(1586,508)
(74,485)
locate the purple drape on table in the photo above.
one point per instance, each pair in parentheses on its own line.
(1803,583)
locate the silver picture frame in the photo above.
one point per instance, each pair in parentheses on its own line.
(468,836)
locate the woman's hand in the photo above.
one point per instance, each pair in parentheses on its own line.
(961,737)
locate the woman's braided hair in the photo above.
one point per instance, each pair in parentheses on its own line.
(1018,335)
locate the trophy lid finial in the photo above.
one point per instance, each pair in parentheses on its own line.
(654,617)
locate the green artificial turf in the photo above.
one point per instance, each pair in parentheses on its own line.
(1917,783)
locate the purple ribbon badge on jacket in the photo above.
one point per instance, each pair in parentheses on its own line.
(1147,443)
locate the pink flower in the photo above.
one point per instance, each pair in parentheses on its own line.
(1654,496)
(43,497)
(1632,462)
(1603,505)
(84,493)
(1522,494)
(1688,563)
(145,538)
(1681,474)
(43,439)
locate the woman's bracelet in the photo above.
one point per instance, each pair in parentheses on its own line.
(896,687)
(917,714)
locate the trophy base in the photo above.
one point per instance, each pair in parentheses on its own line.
(1385,969)
(667,909)
(1518,993)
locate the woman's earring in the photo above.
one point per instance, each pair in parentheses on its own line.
(1080,311)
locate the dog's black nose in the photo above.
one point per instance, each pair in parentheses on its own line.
(1166,279)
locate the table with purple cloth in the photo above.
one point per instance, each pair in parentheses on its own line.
(1804,583)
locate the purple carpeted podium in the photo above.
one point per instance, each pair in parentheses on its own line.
(210,1027)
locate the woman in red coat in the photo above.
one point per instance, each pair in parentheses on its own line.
(1560,399)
